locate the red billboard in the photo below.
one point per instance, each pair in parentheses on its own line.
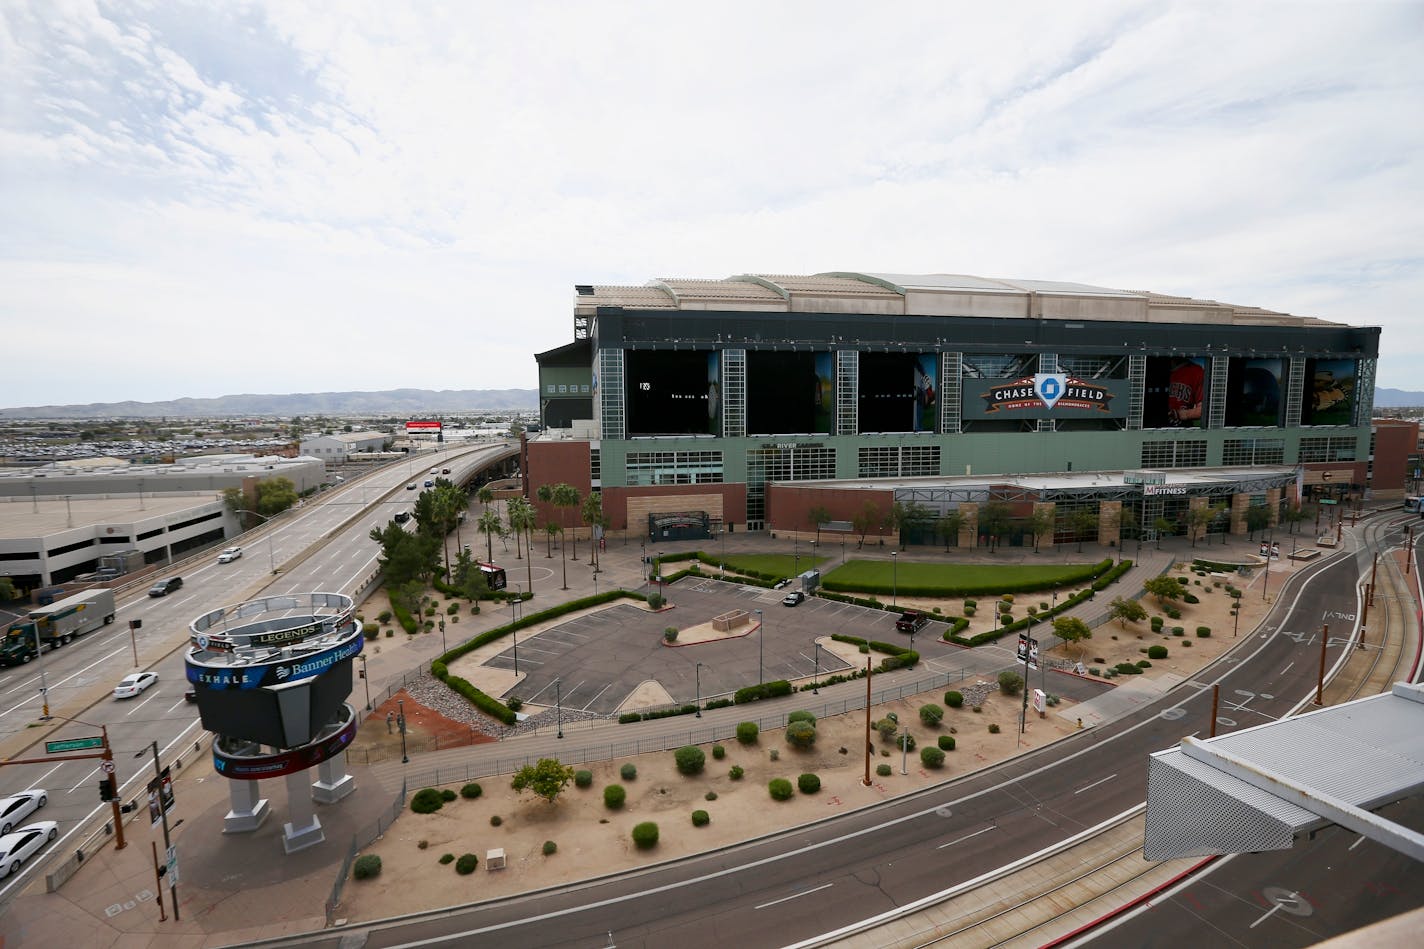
(423,428)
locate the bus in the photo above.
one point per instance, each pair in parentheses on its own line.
(494,576)
(1411,503)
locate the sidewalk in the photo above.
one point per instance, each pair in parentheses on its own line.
(238,888)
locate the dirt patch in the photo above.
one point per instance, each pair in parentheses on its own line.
(378,739)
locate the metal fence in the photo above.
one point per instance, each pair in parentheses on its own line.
(469,771)
(362,838)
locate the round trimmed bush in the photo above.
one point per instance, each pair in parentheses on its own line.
(471,791)
(690,759)
(994,728)
(366,867)
(1203,632)
(645,835)
(1157,652)
(628,772)
(466,864)
(1010,682)
(719,752)
(954,699)
(670,634)
(887,727)
(801,734)
(801,716)
(446,858)
(550,848)
(710,796)
(613,796)
(883,770)
(700,819)
(583,779)
(781,789)
(946,742)
(905,742)
(747,732)
(447,795)
(656,601)
(808,783)
(427,801)
(736,773)
(931,714)
(931,757)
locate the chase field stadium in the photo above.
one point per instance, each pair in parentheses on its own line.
(702,406)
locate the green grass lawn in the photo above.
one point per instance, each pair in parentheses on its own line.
(882,574)
(780,564)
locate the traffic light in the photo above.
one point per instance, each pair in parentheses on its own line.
(107,792)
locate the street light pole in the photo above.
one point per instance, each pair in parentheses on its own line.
(365,674)
(895,577)
(167,844)
(271,558)
(816,677)
(697,673)
(400,704)
(44,682)
(559,705)
(761,638)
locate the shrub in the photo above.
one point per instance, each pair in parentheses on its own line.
(613,796)
(628,772)
(1156,652)
(781,789)
(954,699)
(931,714)
(968,611)
(719,752)
(1126,669)
(1190,598)
(883,770)
(801,716)
(887,727)
(1094,671)
(905,742)
(747,732)
(583,779)
(390,633)
(447,795)
(1178,631)
(471,791)
(384,616)
(993,728)
(690,759)
(1157,624)
(515,703)
(496,820)
(931,757)
(801,734)
(736,773)
(670,634)
(655,600)
(427,801)
(700,819)
(645,835)
(710,796)
(446,858)
(946,742)
(1144,664)
(466,864)
(366,867)
(550,848)
(774,754)
(370,630)
(1010,682)
(1203,632)
(808,783)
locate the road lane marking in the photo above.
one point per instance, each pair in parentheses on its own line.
(141,705)
(83,779)
(795,896)
(62,681)
(1280,904)
(1095,784)
(966,837)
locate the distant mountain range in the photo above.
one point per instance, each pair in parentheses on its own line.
(411,402)
(1397,398)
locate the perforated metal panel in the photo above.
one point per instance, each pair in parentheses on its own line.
(1216,402)
(1137,389)
(1047,362)
(1365,392)
(1187,817)
(734,393)
(1295,391)
(847,390)
(611,420)
(951,389)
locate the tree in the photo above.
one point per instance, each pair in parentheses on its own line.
(951,524)
(233,499)
(275,495)
(1164,588)
(906,514)
(1197,520)
(547,778)
(1083,520)
(1040,523)
(819,515)
(994,521)
(865,521)
(489,524)
(1258,517)
(591,512)
(1164,528)
(1126,611)
(7,590)
(405,556)
(1293,515)
(1071,629)
(545,494)
(523,517)
(484,495)
(513,514)
(1127,523)
(566,496)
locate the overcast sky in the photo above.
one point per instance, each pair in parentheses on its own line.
(215,198)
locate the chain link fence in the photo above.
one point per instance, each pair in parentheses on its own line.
(362,838)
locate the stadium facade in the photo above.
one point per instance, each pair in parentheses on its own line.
(772,402)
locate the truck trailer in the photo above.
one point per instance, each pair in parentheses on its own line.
(49,627)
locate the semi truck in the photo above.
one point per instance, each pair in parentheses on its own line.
(49,627)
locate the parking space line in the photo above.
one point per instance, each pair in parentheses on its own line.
(550,652)
(574,689)
(540,692)
(597,697)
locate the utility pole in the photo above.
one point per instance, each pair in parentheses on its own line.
(167,844)
(866,781)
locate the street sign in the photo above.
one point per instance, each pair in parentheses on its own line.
(106,766)
(73,744)
(171,859)
(1328,501)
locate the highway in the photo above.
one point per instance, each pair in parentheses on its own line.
(323,545)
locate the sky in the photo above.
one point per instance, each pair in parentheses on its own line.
(221,197)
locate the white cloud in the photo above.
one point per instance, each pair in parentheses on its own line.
(279,196)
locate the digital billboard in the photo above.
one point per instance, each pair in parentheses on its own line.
(673,392)
(898,392)
(1329,392)
(1175,394)
(789,393)
(1254,390)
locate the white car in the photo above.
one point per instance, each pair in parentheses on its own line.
(134,683)
(229,554)
(24,843)
(20,805)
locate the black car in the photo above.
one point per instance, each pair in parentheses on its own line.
(165,586)
(793,598)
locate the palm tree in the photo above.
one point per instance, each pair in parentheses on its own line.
(489,524)
(567,496)
(484,495)
(592,514)
(546,495)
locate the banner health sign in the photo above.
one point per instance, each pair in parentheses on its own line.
(1050,395)
(223,676)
